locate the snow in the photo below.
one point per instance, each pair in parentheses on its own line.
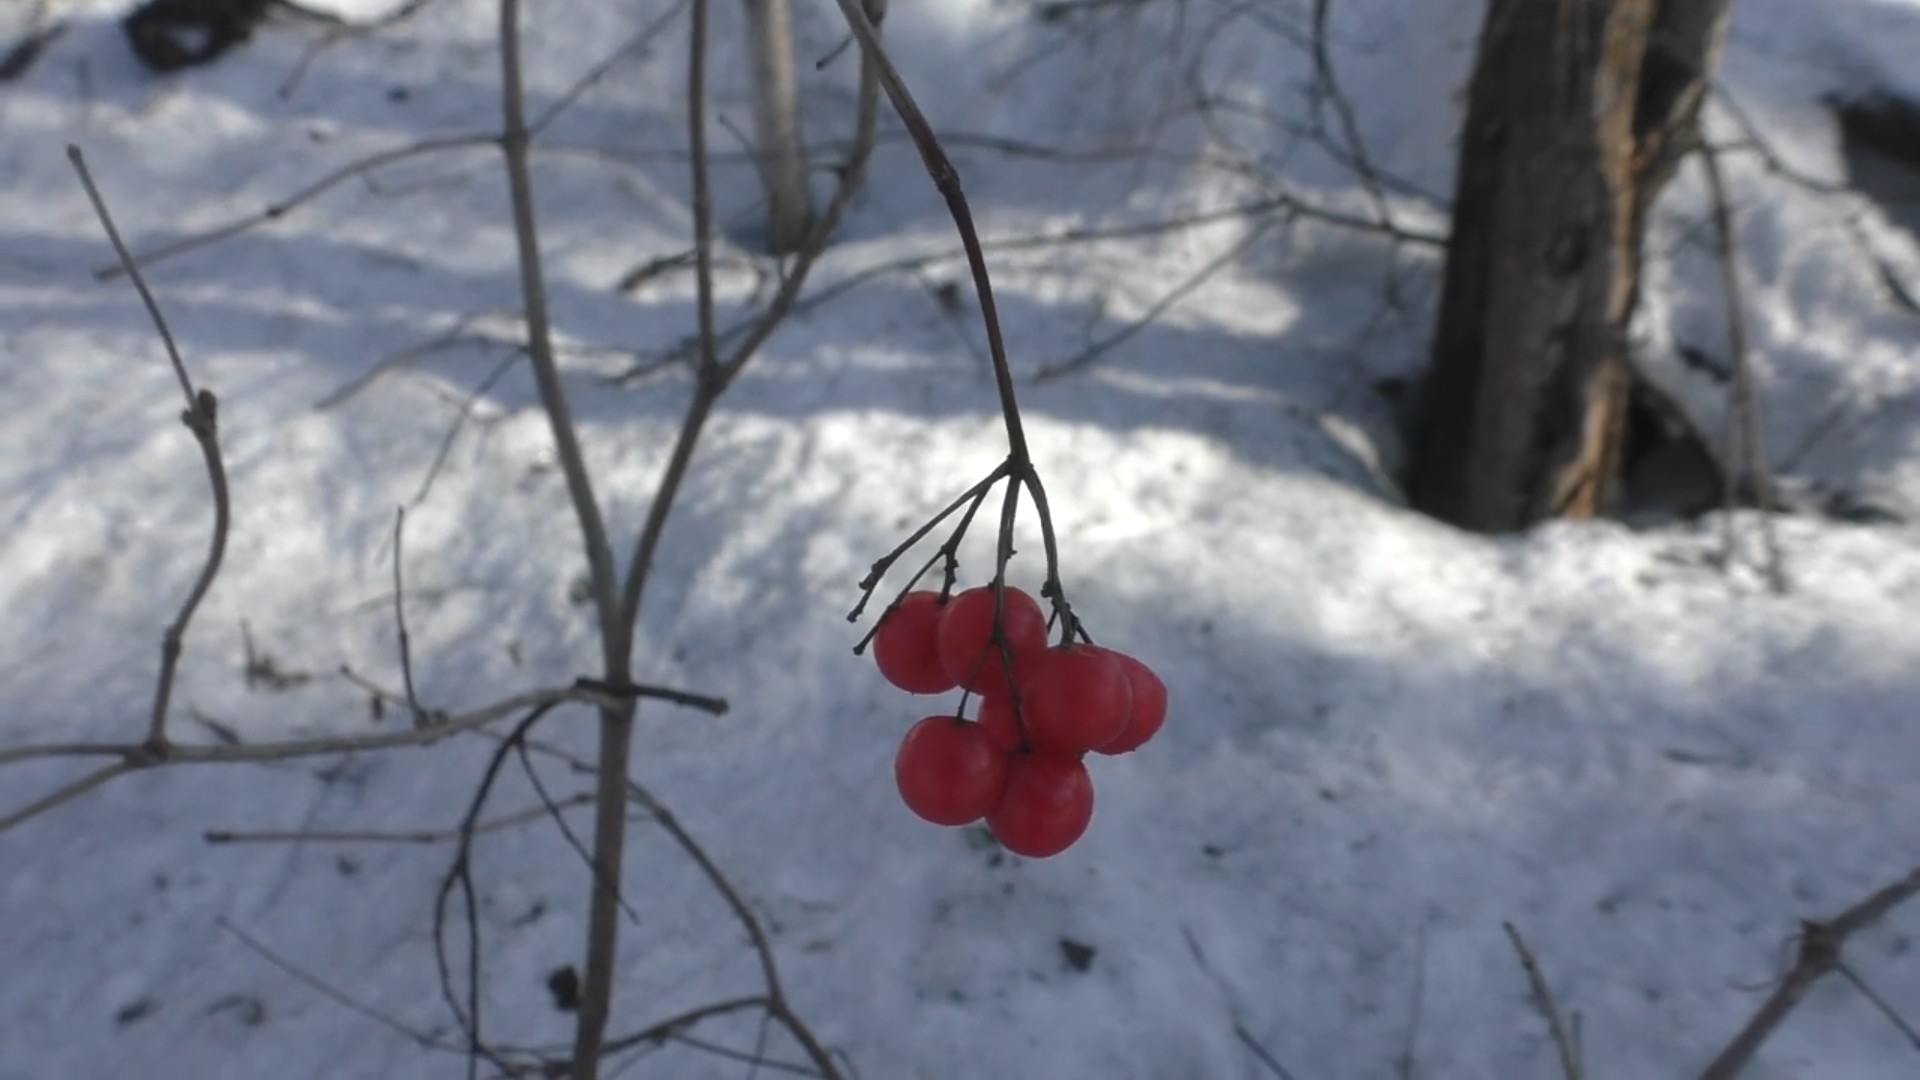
(1388,737)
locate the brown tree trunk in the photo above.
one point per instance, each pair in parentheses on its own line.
(1579,111)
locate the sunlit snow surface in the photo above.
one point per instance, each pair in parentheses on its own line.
(1388,737)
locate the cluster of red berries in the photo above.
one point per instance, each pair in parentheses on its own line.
(1019,765)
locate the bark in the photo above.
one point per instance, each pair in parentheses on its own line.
(1579,111)
(776,122)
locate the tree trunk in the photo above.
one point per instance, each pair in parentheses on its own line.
(776,122)
(1579,111)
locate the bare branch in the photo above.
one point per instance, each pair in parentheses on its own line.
(775,999)
(546,372)
(275,211)
(65,794)
(384,836)
(1092,353)
(1408,1062)
(1820,945)
(1327,87)
(201,418)
(333,993)
(1900,1023)
(1745,452)
(400,620)
(138,756)
(1543,1001)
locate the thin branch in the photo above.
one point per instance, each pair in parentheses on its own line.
(400,620)
(332,993)
(713,375)
(1266,1057)
(138,756)
(460,875)
(340,30)
(947,180)
(662,1030)
(1092,353)
(621,54)
(1820,945)
(708,364)
(135,757)
(201,418)
(1745,452)
(552,808)
(459,424)
(1327,84)
(755,1060)
(775,998)
(1408,1061)
(1900,1023)
(546,371)
(454,337)
(853,173)
(1543,1001)
(277,210)
(65,794)
(414,836)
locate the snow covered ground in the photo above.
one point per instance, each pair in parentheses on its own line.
(1388,738)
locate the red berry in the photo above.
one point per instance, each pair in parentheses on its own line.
(1149,707)
(950,771)
(1075,699)
(1047,806)
(968,650)
(907,645)
(996,715)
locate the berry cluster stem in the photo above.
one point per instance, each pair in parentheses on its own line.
(1019,467)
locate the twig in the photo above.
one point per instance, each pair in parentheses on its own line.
(415,836)
(135,757)
(460,875)
(1900,1023)
(634,45)
(1543,1001)
(1327,84)
(755,1060)
(200,417)
(420,718)
(774,1000)
(1820,945)
(1260,1052)
(277,210)
(713,375)
(460,422)
(1745,452)
(335,994)
(553,397)
(657,1032)
(1408,1061)
(65,794)
(1092,353)
(454,337)
(340,30)
(552,808)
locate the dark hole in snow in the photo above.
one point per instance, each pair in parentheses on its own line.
(1880,136)
(1078,955)
(133,1012)
(248,1009)
(564,985)
(1668,470)
(168,35)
